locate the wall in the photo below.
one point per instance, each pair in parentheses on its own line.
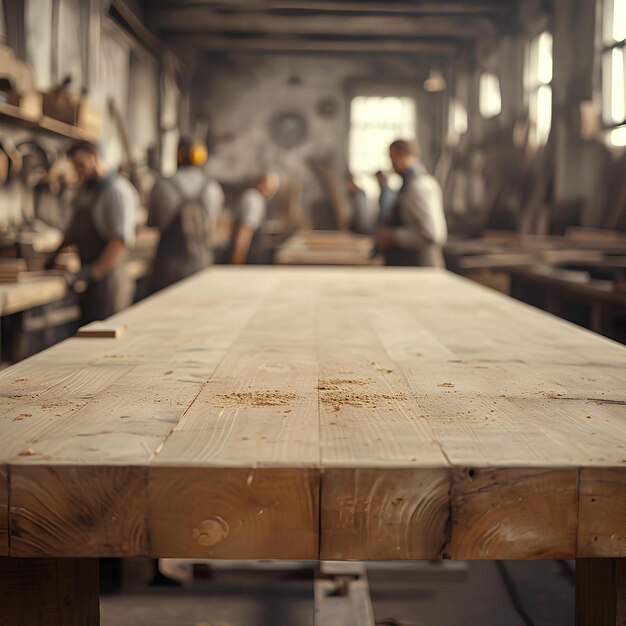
(237,96)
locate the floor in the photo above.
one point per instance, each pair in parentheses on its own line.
(403,594)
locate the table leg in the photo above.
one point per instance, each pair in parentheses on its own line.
(40,592)
(601,592)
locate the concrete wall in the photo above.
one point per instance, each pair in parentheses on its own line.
(236,97)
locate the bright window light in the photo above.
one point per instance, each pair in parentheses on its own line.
(489,97)
(614,21)
(617,137)
(538,75)
(374,123)
(618,95)
(458,117)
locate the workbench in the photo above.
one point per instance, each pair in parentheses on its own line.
(306,413)
(327,247)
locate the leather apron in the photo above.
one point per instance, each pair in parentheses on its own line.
(184,246)
(115,291)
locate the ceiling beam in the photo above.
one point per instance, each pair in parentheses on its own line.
(198,19)
(295,45)
(401,8)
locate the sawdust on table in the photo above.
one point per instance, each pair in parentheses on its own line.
(333,384)
(338,394)
(445,385)
(256,397)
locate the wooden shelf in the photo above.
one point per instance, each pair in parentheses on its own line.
(15,115)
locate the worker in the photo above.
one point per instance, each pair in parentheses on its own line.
(102,229)
(250,213)
(414,229)
(184,208)
(362,218)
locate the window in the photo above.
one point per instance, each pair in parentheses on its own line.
(489,95)
(614,71)
(538,87)
(374,123)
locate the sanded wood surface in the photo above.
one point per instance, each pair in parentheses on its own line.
(363,413)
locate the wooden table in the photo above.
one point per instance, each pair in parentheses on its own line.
(315,414)
(327,247)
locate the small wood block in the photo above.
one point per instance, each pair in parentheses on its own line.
(514,513)
(102,329)
(234,513)
(602,513)
(39,592)
(600,592)
(371,514)
(78,511)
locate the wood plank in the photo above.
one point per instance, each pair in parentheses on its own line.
(39,592)
(241,466)
(105,330)
(600,592)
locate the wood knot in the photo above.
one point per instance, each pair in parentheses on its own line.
(211,531)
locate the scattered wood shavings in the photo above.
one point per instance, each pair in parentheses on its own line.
(333,384)
(27,452)
(266,397)
(445,385)
(339,399)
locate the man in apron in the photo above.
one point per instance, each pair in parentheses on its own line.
(250,213)
(414,229)
(102,229)
(185,209)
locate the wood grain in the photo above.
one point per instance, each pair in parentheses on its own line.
(254,513)
(40,592)
(602,513)
(375,515)
(523,514)
(78,511)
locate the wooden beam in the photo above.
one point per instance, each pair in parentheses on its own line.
(198,19)
(401,8)
(294,45)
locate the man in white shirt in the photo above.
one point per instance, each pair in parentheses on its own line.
(103,230)
(250,213)
(185,208)
(414,230)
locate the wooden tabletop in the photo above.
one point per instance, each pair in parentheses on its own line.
(362,413)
